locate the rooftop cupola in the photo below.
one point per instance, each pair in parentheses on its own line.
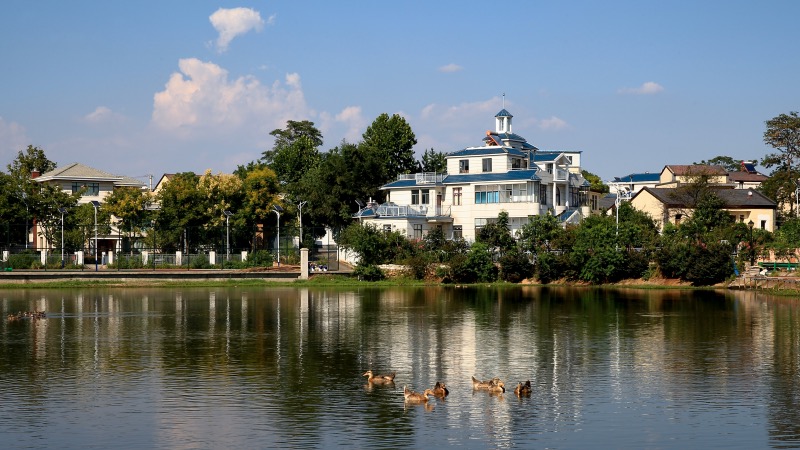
(503,121)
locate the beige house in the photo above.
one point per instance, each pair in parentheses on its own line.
(98,185)
(671,205)
(676,175)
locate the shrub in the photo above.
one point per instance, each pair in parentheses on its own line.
(515,267)
(369,272)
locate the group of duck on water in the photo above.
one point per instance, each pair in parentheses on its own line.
(495,386)
(27,315)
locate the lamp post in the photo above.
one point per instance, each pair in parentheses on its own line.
(153,225)
(277,210)
(228,215)
(96,205)
(62,210)
(752,247)
(300,209)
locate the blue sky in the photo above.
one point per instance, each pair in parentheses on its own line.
(152,87)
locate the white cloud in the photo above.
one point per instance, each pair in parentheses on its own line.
(102,114)
(202,100)
(462,111)
(234,22)
(12,139)
(553,123)
(352,118)
(647,88)
(449,68)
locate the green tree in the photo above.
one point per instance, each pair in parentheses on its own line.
(295,152)
(783,134)
(129,206)
(21,195)
(393,139)
(433,161)
(728,163)
(374,246)
(497,235)
(595,182)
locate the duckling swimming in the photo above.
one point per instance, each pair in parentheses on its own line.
(440,390)
(478,384)
(415,397)
(523,390)
(379,379)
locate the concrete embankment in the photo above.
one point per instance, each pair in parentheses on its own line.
(142,276)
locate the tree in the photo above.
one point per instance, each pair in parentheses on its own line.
(261,193)
(496,235)
(129,206)
(728,163)
(393,139)
(433,161)
(21,194)
(295,151)
(595,182)
(783,134)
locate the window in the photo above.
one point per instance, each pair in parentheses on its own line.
(457,196)
(549,168)
(678,218)
(741,218)
(543,194)
(415,196)
(463,166)
(426,196)
(91,188)
(487,194)
(417,231)
(487,164)
(458,232)
(517,163)
(763,224)
(387,228)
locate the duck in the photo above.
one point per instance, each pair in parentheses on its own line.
(497,387)
(523,389)
(384,378)
(440,390)
(415,397)
(478,384)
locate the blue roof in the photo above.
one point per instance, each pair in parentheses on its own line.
(545,156)
(402,183)
(503,113)
(639,178)
(513,175)
(493,150)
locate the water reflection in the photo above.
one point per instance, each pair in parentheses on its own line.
(281,367)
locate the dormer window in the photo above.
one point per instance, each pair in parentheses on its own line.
(487,164)
(463,166)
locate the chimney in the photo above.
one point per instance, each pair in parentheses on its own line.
(35,173)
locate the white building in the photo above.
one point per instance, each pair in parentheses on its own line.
(506,173)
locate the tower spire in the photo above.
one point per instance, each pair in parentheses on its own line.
(504,100)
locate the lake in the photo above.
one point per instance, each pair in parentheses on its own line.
(264,367)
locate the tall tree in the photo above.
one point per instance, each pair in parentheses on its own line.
(24,199)
(783,134)
(295,151)
(392,138)
(433,161)
(728,163)
(595,182)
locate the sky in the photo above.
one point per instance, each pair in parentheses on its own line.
(149,87)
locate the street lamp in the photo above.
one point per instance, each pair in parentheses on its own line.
(300,209)
(228,215)
(752,247)
(153,225)
(622,194)
(278,210)
(62,210)
(96,205)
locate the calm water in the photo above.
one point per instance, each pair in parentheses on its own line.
(267,368)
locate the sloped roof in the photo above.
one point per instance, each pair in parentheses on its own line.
(646,177)
(696,169)
(513,175)
(480,151)
(81,172)
(77,171)
(503,113)
(746,177)
(733,198)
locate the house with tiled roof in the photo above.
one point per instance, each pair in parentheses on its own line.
(96,186)
(635,182)
(506,173)
(672,205)
(747,177)
(676,174)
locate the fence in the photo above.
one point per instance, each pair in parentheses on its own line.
(154,248)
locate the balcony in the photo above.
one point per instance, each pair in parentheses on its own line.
(420,211)
(423,177)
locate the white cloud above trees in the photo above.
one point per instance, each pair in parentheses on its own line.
(234,22)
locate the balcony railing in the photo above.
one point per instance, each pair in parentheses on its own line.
(392,210)
(423,177)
